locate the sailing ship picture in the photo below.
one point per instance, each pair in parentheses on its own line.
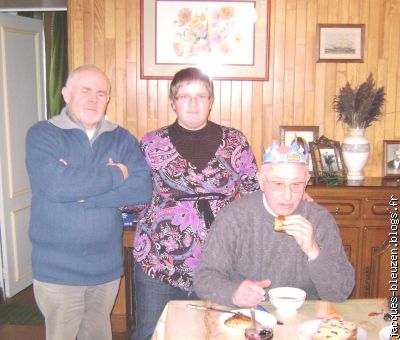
(340,42)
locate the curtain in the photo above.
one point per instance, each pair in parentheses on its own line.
(58,63)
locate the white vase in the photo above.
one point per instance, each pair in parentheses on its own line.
(355,150)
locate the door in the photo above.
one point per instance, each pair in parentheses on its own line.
(22,103)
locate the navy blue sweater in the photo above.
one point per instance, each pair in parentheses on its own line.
(75,226)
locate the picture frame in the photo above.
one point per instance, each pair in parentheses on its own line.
(340,43)
(306,134)
(176,34)
(327,158)
(391,159)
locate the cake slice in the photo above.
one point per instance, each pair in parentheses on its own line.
(333,329)
(278,225)
(240,321)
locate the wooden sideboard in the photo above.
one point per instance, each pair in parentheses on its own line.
(363,215)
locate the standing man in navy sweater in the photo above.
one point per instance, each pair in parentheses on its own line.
(82,168)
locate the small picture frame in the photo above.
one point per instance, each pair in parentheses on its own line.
(327,158)
(303,134)
(391,158)
(340,43)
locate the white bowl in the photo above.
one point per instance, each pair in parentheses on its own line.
(287,299)
(384,334)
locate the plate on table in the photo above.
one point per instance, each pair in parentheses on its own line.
(264,318)
(307,329)
(384,334)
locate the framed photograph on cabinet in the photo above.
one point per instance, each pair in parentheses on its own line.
(327,158)
(338,43)
(391,158)
(303,135)
(227,39)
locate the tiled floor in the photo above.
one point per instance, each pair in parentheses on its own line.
(19,332)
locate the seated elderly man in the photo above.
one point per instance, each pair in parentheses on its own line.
(244,254)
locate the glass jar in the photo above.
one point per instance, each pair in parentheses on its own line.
(262,333)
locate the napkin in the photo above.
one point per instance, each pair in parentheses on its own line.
(325,310)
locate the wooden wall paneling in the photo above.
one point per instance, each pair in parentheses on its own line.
(356,7)
(152,101)
(309,71)
(75,34)
(256,118)
(131,99)
(381,79)
(215,114)
(269,124)
(299,90)
(132,57)
(279,66)
(289,55)
(236,105)
(343,11)
(171,113)
(392,48)
(88,33)
(396,125)
(110,55)
(319,105)
(320,72)
(162,103)
(330,91)
(120,62)
(330,83)
(341,80)
(98,44)
(376,152)
(226,94)
(372,47)
(247,109)
(333,11)
(300,64)
(141,106)
(395,69)
(132,31)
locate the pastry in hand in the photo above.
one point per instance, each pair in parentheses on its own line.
(278,225)
(240,321)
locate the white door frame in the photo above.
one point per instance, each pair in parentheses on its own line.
(22,103)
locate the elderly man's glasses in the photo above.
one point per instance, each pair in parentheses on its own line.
(199,98)
(280,186)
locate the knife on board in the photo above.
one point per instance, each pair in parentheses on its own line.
(210,308)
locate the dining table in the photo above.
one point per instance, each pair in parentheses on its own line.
(179,322)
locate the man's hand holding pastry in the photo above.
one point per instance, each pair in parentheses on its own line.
(303,232)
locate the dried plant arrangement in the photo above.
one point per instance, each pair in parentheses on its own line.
(359,107)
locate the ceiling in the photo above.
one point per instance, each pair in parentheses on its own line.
(30,5)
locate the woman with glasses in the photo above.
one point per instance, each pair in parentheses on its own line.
(198,167)
(245,254)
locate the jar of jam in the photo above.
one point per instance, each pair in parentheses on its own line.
(262,333)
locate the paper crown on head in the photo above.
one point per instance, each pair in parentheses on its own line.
(285,154)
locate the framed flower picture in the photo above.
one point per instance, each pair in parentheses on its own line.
(226,39)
